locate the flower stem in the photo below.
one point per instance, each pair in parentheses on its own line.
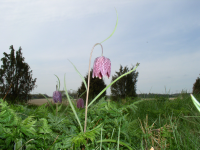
(56,109)
(86,105)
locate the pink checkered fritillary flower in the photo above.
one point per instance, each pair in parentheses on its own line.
(102,67)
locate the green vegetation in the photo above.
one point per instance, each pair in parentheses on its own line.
(131,123)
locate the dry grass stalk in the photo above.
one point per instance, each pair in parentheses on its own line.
(157,140)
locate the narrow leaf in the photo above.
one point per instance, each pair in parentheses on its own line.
(79,74)
(74,111)
(118,136)
(101,139)
(196,103)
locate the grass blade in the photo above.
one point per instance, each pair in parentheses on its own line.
(74,111)
(118,139)
(196,103)
(118,136)
(83,93)
(101,139)
(79,75)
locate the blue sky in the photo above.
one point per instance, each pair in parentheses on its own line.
(163,36)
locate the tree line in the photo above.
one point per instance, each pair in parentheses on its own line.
(16,81)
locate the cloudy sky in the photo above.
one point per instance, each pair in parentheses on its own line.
(163,36)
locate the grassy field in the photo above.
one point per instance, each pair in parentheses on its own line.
(128,124)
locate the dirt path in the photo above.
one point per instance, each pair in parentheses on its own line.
(42,101)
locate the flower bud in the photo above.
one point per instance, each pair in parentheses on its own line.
(57,96)
(80,103)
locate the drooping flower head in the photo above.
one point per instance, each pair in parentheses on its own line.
(102,67)
(80,103)
(57,96)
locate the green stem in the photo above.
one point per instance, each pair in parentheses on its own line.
(86,105)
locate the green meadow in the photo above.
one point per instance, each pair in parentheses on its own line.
(131,123)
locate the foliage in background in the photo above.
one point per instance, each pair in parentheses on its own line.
(96,86)
(16,72)
(196,86)
(126,86)
(39,96)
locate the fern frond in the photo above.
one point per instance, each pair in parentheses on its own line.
(7,115)
(27,126)
(81,137)
(44,127)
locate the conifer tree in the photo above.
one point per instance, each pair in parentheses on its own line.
(96,86)
(16,72)
(196,86)
(126,86)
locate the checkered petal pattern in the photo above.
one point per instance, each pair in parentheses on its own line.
(57,97)
(102,67)
(80,103)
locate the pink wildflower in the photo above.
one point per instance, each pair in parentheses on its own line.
(102,67)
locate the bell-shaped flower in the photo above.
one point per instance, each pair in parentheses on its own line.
(57,96)
(80,103)
(102,67)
